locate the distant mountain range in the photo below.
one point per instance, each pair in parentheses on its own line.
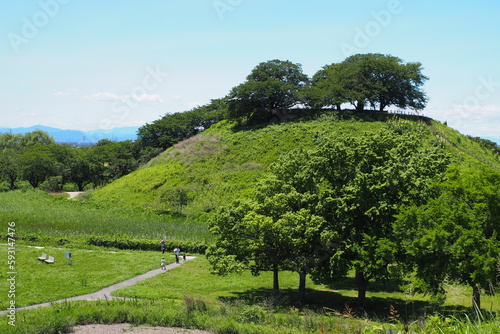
(78,136)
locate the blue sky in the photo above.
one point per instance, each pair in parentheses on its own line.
(101,64)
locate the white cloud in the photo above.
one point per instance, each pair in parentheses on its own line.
(147,98)
(103,97)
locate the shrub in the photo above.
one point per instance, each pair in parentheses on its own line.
(145,244)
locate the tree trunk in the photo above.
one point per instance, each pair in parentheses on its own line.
(476,298)
(362,287)
(302,287)
(360,106)
(276,283)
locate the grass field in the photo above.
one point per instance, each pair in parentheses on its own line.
(190,297)
(40,216)
(90,271)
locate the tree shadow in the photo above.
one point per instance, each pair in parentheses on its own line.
(332,302)
(300,115)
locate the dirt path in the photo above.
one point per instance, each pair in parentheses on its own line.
(73,194)
(127,328)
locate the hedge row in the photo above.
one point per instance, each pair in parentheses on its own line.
(145,244)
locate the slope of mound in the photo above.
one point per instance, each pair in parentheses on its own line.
(196,176)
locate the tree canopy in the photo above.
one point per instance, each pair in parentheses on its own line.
(369,79)
(330,210)
(455,236)
(172,128)
(273,86)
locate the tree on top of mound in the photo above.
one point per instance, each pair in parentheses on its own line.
(271,87)
(370,79)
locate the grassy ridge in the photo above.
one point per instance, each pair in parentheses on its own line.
(214,168)
(224,162)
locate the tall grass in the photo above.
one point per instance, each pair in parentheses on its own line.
(224,318)
(40,214)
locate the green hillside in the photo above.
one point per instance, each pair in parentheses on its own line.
(197,175)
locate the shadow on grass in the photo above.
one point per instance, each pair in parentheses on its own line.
(299,115)
(383,309)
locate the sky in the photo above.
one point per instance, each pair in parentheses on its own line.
(91,64)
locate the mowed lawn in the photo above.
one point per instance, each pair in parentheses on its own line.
(90,271)
(193,279)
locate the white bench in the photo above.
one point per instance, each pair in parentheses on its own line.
(50,260)
(43,257)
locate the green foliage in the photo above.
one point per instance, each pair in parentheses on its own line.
(10,167)
(271,87)
(37,159)
(145,244)
(487,144)
(226,161)
(173,128)
(381,80)
(455,235)
(344,193)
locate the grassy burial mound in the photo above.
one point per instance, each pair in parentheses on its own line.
(191,179)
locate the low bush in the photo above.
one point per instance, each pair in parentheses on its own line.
(145,244)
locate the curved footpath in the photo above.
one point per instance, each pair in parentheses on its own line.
(106,292)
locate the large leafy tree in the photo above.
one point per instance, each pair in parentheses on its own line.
(37,137)
(38,163)
(275,230)
(370,79)
(456,235)
(10,168)
(365,183)
(270,89)
(10,141)
(325,89)
(331,210)
(111,160)
(80,168)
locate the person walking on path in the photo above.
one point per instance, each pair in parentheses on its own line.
(163,267)
(162,246)
(177,252)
